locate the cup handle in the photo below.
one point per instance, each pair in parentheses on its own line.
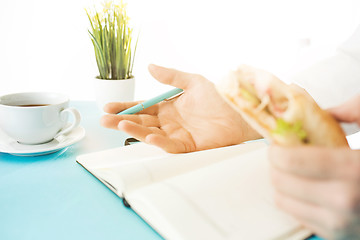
(76,122)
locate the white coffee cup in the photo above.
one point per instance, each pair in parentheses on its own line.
(36,117)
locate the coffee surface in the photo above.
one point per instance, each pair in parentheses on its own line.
(31,105)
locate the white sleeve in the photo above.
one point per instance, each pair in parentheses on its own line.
(335,79)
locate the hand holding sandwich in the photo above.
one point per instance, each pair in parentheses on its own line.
(315,174)
(320,186)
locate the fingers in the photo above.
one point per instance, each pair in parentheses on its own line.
(348,111)
(312,216)
(152,136)
(112,121)
(319,186)
(316,162)
(174,77)
(312,191)
(169,145)
(136,130)
(116,107)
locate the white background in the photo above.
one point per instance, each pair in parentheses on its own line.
(45,45)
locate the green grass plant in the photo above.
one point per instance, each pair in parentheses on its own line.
(112,38)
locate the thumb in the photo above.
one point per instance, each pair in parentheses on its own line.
(348,111)
(173,77)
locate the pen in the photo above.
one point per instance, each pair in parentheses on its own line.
(141,106)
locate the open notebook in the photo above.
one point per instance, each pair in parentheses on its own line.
(222,193)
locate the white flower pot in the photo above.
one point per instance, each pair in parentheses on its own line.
(114,91)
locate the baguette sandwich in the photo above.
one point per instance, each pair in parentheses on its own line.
(282,113)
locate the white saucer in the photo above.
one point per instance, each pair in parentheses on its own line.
(9,145)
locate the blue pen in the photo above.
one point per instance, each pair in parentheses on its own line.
(139,107)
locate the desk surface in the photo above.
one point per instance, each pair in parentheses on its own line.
(52,197)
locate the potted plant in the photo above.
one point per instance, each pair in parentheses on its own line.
(112,38)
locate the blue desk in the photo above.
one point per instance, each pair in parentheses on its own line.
(52,197)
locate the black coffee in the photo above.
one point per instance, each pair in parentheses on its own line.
(32,105)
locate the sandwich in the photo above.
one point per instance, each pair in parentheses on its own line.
(282,113)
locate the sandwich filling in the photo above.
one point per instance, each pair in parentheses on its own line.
(271,111)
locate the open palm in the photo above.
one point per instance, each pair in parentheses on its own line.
(198,119)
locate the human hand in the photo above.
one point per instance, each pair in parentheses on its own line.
(348,112)
(321,186)
(198,119)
